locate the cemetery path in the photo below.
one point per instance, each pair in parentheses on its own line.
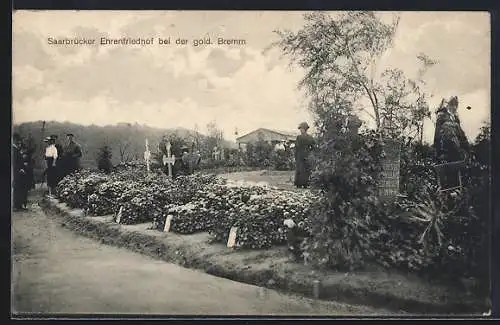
(56,271)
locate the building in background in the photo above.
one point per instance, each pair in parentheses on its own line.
(273,137)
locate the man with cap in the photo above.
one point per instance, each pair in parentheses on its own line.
(304,144)
(72,155)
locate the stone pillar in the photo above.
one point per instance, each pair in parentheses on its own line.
(388,184)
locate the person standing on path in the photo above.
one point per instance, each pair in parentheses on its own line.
(72,155)
(19,174)
(51,156)
(304,144)
(60,153)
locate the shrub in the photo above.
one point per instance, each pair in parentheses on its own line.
(283,160)
(104,159)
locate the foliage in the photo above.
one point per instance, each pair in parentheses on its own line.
(350,225)
(127,136)
(214,139)
(258,154)
(340,54)
(104,163)
(417,174)
(283,159)
(197,203)
(347,170)
(259,217)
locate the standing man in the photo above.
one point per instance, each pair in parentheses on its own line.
(304,145)
(72,155)
(19,176)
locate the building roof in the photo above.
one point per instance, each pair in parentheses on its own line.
(266,135)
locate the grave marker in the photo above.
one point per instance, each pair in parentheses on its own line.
(168,222)
(231,241)
(169,160)
(147,157)
(119,215)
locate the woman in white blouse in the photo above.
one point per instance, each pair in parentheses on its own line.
(51,158)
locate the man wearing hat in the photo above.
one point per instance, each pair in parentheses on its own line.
(304,144)
(72,155)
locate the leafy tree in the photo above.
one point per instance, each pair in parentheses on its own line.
(104,159)
(340,55)
(215,138)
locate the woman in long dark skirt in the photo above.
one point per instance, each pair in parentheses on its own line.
(304,145)
(51,156)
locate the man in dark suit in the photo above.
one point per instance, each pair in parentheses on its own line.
(20,177)
(72,155)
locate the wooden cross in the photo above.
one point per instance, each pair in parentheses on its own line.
(147,156)
(169,159)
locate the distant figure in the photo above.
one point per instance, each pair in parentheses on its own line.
(280,146)
(304,145)
(176,150)
(162,148)
(190,159)
(216,153)
(20,179)
(72,155)
(450,141)
(51,156)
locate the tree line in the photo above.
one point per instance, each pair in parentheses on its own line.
(125,141)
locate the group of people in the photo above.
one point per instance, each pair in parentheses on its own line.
(59,162)
(450,144)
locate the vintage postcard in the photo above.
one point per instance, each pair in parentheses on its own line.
(251,163)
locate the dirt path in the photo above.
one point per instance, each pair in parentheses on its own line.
(56,271)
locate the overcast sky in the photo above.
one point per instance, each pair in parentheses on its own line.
(237,86)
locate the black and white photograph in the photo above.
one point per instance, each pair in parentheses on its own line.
(251,163)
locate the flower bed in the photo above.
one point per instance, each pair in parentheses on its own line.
(197,203)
